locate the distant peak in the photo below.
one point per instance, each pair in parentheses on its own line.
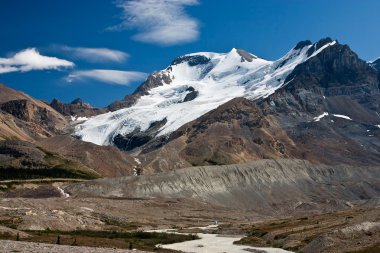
(192,60)
(375,64)
(56,101)
(323,42)
(77,101)
(245,55)
(302,44)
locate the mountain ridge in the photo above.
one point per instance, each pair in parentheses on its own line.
(217,80)
(332,94)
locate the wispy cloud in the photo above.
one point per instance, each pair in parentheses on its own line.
(163,22)
(30,59)
(95,55)
(115,77)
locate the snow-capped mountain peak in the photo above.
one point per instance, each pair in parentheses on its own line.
(195,84)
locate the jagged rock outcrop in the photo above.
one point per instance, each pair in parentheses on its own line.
(76,108)
(376,64)
(26,118)
(153,80)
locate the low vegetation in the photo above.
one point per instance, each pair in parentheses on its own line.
(111,239)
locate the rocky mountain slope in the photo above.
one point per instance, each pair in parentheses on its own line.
(319,102)
(376,64)
(77,108)
(24,160)
(27,118)
(34,142)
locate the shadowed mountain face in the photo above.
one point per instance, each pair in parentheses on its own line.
(376,64)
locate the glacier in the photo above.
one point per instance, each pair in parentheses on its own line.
(222,77)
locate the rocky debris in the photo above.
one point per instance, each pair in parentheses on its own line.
(76,108)
(259,186)
(26,247)
(362,236)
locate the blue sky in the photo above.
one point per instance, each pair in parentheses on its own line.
(100,50)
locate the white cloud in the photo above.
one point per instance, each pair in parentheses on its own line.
(30,59)
(163,22)
(95,54)
(116,77)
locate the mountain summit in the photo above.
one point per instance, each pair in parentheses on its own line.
(319,102)
(193,85)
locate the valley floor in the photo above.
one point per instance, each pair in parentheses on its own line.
(27,247)
(351,230)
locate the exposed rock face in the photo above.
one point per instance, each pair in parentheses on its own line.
(376,64)
(192,60)
(138,138)
(287,185)
(153,80)
(76,108)
(26,118)
(338,71)
(28,111)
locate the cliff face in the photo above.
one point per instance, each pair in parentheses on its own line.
(154,80)
(28,118)
(76,108)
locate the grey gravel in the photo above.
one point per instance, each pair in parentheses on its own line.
(24,247)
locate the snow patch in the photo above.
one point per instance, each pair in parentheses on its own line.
(342,116)
(77,118)
(63,193)
(318,118)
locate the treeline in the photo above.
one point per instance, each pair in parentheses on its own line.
(10,173)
